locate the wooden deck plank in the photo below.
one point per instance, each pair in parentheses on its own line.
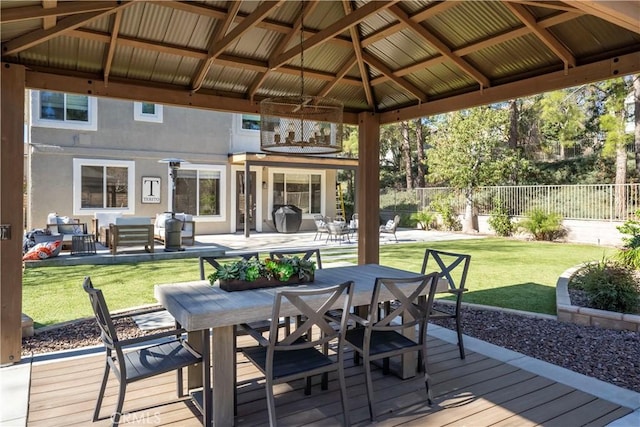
(474,391)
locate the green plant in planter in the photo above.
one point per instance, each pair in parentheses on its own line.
(425,219)
(629,255)
(609,286)
(272,269)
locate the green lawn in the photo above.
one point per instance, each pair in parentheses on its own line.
(503,273)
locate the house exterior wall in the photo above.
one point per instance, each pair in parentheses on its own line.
(202,138)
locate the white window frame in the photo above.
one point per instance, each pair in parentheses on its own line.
(222,169)
(239,129)
(77,185)
(139,116)
(323,188)
(91,125)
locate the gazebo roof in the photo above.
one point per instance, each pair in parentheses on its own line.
(401,59)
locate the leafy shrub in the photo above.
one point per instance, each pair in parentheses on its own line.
(629,255)
(424,219)
(543,226)
(448,215)
(609,286)
(500,220)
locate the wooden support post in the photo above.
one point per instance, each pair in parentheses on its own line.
(368,193)
(12,93)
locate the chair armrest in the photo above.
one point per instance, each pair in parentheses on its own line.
(255,334)
(145,311)
(146,338)
(338,318)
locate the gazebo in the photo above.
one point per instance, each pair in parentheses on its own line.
(386,61)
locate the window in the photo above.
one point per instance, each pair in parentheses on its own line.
(64,111)
(250,122)
(303,190)
(200,190)
(103,184)
(147,112)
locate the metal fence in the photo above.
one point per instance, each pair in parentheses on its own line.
(608,202)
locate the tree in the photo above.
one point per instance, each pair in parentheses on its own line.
(471,150)
(636,121)
(420,157)
(563,118)
(612,122)
(406,154)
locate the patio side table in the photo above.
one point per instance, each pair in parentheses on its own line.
(83,244)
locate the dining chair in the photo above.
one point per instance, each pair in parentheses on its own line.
(305,254)
(321,226)
(382,334)
(452,271)
(299,354)
(214,261)
(155,358)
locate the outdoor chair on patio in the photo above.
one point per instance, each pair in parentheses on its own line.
(390,227)
(452,274)
(140,363)
(300,354)
(321,226)
(381,335)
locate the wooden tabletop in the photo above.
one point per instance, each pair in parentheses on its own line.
(197,305)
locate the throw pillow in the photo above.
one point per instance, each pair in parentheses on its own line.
(389,224)
(42,251)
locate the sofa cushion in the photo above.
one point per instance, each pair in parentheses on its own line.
(106,218)
(133,220)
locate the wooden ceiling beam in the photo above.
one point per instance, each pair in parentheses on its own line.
(625,14)
(581,74)
(440,46)
(218,13)
(15,14)
(357,50)
(332,30)
(339,76)
(63,26)
(49,21)
(308,7)
(142,91)
(504,37)
(398,26)
(221,30)
(379,65)
(108,58)
(542,33)
(555,5)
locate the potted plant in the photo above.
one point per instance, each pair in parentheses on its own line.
(253,273)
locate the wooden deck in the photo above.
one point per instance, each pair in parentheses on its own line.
(477,391)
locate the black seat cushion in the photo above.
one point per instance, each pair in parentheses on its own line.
(286,363)
(381,341)
(156,359)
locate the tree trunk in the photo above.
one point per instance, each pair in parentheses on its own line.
(469,222)
(420,178)
(636,93)
(513,123)
(406,154)
(620,201)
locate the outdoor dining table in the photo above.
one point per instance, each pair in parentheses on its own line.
(207,311)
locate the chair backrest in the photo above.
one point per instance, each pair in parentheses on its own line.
(451,267)
(101,312)
(313,305)
(321,222)
(396,221)
(305,254)
(412,301)
(214,261)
